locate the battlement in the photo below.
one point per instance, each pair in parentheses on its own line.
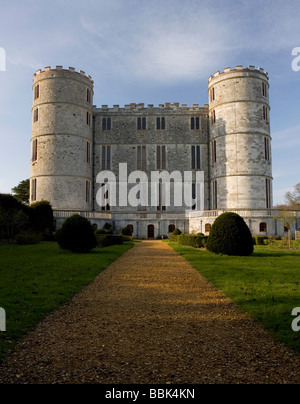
(239,69)
(61,69)
(133,107)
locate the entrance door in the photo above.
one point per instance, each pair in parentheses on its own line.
(150,231)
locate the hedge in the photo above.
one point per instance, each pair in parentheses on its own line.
(108,240)
(196,241)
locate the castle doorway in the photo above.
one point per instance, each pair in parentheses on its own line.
(151,232)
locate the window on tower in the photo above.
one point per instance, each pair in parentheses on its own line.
(37,92)
(267,149)
(33,190)
(214,152)
(88,191)
(88,152)
(88,119)
(34,155)
(36,115)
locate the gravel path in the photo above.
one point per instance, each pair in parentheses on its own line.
(150,318)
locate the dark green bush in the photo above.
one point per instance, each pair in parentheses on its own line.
(108,240)
(27,238)
(126,231)
(196,241)
(230,235)
(41,217)
(100,232)
(176,232)
(258,240)
(126,238)
(77,235)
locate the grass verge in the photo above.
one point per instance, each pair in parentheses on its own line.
(35,280)
(266,285)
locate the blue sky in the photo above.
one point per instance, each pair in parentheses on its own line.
(151,51)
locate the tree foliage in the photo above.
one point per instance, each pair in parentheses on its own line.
(13,216)
(21,191)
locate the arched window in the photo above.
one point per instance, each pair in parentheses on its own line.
(171,228)
(263,227)
(95,227)
(208,228)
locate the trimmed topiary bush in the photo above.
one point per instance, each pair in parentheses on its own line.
(77,235)
(230,235)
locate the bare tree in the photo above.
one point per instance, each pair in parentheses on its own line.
(293,198)
(287,218)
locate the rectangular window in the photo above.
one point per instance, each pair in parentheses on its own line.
(213,117)
(196,158)
(34,156)
(33,190)
(106,124)
(161,123)
(88,152)
(161,158)
(214,152)
(195,123)
(266,114)
(89,96)
(105,206)
(37,92)
(142,124)
(215,195)
(106,157)
(264,89)
(161,197)
(267,150)
(88,119)
(212,94)
(268,193)
(36,115)
(194,195)
(141,158)
(88,191)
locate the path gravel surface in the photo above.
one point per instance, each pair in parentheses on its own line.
(150,318)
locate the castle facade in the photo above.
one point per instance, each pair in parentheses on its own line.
(220,151)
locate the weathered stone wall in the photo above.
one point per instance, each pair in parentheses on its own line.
(178,138)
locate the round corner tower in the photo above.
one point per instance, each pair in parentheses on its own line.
(240,141)
(62,139)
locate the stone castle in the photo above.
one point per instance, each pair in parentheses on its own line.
(226,143)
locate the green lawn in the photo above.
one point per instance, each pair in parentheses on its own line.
(35,280)
(266,285)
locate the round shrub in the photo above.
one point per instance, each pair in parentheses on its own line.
(77,235)
(230,235)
